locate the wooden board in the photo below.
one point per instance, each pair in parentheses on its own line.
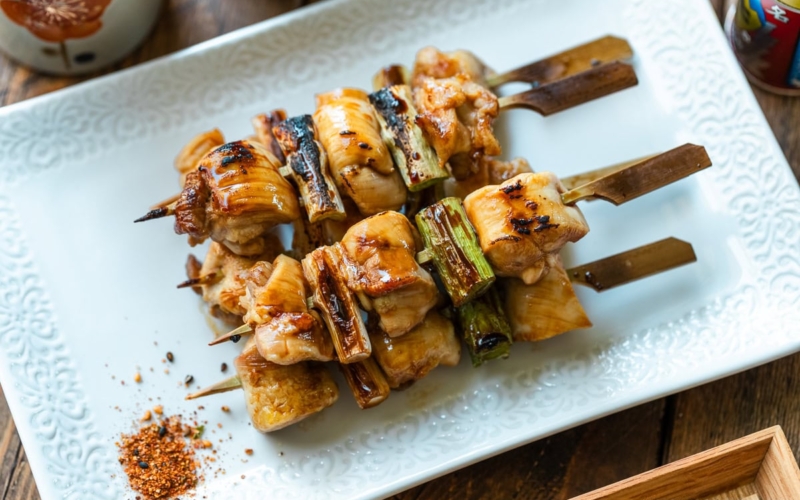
(762,459)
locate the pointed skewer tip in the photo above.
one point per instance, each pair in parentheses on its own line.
(233,336)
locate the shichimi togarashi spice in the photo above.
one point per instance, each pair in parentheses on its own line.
(159,459)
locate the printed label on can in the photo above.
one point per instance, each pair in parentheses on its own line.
(765,36)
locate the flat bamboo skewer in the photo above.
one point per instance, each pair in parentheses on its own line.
(641,178)
(633,265)
(573,181)
(574,90)
(567,63)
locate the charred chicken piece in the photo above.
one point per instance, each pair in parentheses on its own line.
(522,224)
(192,153)
(360,162)
(278,396)
(235,197)
(380,253)
(545,309)
(286,331)
(410,357)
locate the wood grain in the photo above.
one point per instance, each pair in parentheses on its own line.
(559,467)
(708,473)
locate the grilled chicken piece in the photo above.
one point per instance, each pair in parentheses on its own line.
(382,270)
(286,332)
(191,154)
(456,115)
(359,161)
(410,357)
(263,125)
(522,224)
(490,171)
(278,396)
(223,293)
(545,309)
(433,63)
(235,197)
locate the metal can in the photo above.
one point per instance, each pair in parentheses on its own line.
(765,35)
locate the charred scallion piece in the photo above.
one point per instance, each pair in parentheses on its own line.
(414,157)
(367,382)
(324,271)
(485,329)
(451,243)
(308,166)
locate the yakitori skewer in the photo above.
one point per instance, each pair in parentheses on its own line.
(530,226)
(567,63)
(485,324)
(509,229)
(487,329)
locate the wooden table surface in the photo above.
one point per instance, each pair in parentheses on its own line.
(559,467)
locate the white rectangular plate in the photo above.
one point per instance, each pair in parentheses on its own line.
(84,293)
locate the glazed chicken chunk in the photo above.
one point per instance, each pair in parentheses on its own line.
(545,309)
(359,161)
(286,332)
(382,270)
(522,224)
(192,153)
(235,197)
(490,171)
(224,284)
(410,357)
(456,112)
(278,396)
(434,63)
